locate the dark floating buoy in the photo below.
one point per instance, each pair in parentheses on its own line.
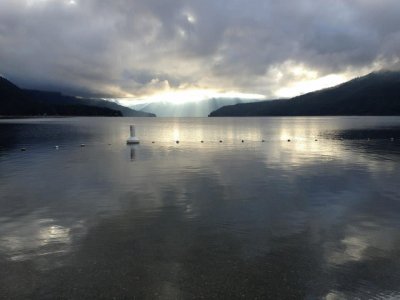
(177,142)
(288,140)
(242,141)
(263,141)
(23,149)
(109,144)
(316,140)
(83,145)
(220,141)
(201,141)
(153,142)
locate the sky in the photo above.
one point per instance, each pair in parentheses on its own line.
(160,50)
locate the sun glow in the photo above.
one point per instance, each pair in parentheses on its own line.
(41,2)
(309,85)
(181,96)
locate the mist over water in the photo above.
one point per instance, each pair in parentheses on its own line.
(314,218)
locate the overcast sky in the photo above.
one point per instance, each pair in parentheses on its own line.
(147,48)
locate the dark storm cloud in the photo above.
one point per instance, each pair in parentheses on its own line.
(115,48)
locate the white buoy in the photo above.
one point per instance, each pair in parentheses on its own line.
(132,139)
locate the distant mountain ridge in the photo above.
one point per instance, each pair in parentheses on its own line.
(377,93)
(19,102)
(188,109)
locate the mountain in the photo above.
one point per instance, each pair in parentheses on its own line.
(56,97)
(188,109)
(19,102)
(377,93)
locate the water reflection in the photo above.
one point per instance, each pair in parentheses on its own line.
(31,238)
(275,220)
(132,153)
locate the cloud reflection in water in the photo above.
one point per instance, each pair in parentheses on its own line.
(308,218)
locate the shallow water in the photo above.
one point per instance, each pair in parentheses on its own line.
(314,218)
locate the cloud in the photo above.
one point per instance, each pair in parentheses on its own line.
(123,47)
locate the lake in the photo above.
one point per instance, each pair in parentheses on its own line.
(316,217)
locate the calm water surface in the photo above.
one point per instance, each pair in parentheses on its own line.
(314,218)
